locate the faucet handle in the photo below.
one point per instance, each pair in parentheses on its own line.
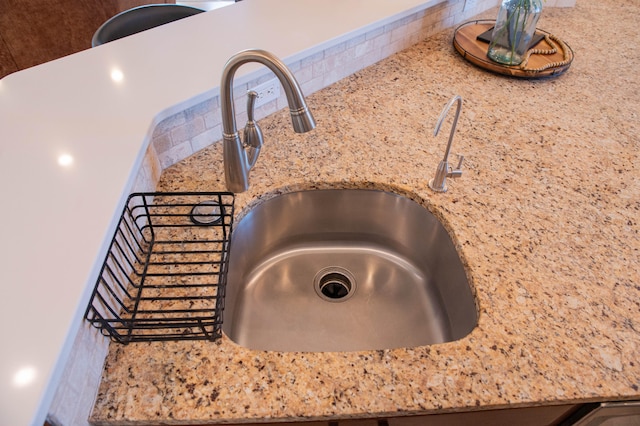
(457,172)
(253,138)
(252,95)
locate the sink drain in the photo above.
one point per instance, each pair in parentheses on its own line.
(334,284)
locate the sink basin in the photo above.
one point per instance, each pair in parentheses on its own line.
(344,270)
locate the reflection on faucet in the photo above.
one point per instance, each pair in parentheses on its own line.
(237,163)
(438,183)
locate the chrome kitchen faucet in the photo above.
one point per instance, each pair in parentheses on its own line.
(439,182)
(239,157)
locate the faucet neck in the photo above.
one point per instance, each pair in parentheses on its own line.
(300,116)
(443,115)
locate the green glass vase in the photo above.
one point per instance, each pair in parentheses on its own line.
(514,29)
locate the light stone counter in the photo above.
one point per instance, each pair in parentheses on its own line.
(545,217)
(74,134)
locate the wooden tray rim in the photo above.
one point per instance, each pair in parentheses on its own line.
(509,70)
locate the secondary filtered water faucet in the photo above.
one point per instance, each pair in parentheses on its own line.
(240,157)
(438,183)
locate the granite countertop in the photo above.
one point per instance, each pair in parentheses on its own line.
(545,217)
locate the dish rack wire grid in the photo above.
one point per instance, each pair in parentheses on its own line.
(164,275)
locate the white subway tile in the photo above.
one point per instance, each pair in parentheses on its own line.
(207,138)
(188,130)
(175,154)
(213,117)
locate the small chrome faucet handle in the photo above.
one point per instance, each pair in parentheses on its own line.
(253,138)
(457,172)
(460,160)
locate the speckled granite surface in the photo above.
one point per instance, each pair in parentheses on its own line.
(545,216)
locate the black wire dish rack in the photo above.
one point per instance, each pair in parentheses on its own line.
(164,275)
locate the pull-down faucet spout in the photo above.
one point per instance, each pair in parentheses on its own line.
(237,163)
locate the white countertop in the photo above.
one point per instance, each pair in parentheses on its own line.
(57,219)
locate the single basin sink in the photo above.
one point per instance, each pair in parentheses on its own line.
(344,270)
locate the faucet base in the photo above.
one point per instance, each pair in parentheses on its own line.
(437,188)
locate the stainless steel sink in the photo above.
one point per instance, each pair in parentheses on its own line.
(344,270)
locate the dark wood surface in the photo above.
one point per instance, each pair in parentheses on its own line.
(36,31)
